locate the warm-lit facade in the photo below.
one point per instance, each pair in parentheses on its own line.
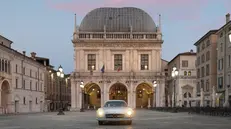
(117,55)
(21,81)
(53,101)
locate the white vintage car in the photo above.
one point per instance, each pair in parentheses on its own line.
(115,110)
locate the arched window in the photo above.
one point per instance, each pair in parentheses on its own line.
(189,95)
(5,66)
(185,73)
(185,95)
(189,73)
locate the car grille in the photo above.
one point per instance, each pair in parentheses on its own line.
(114,115)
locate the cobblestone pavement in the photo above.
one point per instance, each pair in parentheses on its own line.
(144,119)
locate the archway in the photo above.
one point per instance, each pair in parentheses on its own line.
(118,91)
(144,96)
(5,95)
(92,96)
(187,91)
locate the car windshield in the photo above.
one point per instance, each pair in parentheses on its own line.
(115,104)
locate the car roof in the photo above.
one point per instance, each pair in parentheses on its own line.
(115,101)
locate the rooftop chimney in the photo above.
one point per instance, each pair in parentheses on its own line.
(191,50)
(24,52)
(33,54)
(227,18)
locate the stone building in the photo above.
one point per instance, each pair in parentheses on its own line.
(206,66)
(21,81)
(224,63)
(52,86)
(183,86)
(117,55)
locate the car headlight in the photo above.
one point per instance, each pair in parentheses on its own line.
(129,112)
(100,112)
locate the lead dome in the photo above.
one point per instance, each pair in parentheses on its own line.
(117,20)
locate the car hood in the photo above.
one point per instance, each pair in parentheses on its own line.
(115,110)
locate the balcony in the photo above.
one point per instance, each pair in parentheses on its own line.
(138,75)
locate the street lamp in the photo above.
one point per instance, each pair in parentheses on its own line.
(92,68)
(174,74)
(154,85)
(82,87)
(145,67)
(60,74)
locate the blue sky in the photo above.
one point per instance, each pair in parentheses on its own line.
(46,26)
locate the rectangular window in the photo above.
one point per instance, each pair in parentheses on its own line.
(118,62)
(35,74)
(198,73)
(16,68)
(184,63)
(203,58)
(220,82)
(24,100)
(30,72)
(30,85)
(207,70)
(16,83)
(221,47)
(36,86)
(36,100)
(144,62)
(229,60)
(202,72)
(198,87)
(24,70)
(220,64)
(207,56)
(228,80)
(198,48)
(207,85)
(24,84)
(91,61)
(202,85)
(41,86)
(198,61)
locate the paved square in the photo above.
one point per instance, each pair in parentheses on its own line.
(144,119)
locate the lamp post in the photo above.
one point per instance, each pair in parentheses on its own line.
(174,74)
(154,85)
(145,67)
(60,74)
(82,87)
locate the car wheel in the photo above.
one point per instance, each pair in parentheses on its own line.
(100,122)
(129,122)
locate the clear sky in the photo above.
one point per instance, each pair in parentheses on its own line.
(46,26)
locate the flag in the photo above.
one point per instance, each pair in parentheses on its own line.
(118,69)
(102,69)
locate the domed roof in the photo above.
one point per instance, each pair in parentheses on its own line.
(117,20)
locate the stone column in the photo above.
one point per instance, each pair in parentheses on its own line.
(202,98)
(73,95)
(102,94)
(105,93)
(149,102)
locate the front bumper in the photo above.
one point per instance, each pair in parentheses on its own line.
(114,119)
